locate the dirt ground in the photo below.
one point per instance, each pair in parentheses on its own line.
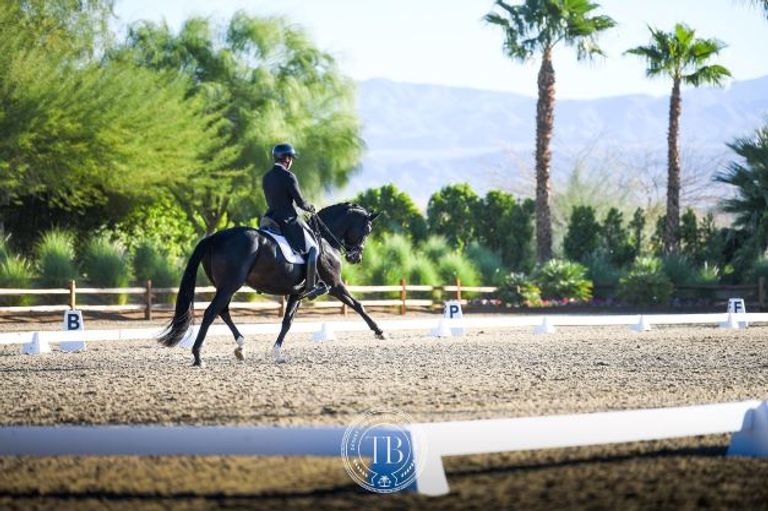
(489,373)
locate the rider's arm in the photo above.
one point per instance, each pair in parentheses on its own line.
(293,186)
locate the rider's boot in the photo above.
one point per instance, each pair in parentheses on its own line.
(313,287)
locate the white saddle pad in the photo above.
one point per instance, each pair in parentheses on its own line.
(285,247)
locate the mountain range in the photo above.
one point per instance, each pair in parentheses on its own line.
(422,137)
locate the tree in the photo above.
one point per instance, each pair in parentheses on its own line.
(615,238)
(400,215)
(683,57)
(690,242)
(80,140)
(536,27)
(451,213)
(583,236)
(636,227)
(273,85)
(505,226)
(749,206)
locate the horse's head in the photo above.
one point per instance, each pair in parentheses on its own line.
(350,225)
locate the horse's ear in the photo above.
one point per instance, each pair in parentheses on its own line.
(373,216)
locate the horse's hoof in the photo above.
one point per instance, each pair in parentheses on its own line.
(278,356)
(239,354)
(381,336)
(198,364)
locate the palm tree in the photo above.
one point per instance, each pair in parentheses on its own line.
(682,57)
(749,205)
(536,27)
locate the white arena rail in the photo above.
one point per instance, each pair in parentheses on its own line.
(517,321)
(430,441)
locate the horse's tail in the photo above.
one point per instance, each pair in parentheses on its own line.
(185,300)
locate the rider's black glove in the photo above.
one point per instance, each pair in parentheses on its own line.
(311,209)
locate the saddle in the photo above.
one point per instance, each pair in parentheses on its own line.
(272,229)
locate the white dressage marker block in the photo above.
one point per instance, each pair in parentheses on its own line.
(73,322)
(752,439)
(737,307)
(733,323)
(38,345)
(546,327)
(324,334)
(442,329)
(643,325)
(452,311)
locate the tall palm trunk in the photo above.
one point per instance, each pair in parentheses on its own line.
(545,118)
(673,171)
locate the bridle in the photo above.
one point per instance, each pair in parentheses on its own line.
(346,250)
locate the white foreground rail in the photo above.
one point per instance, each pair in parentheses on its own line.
(393,325)
(430,441)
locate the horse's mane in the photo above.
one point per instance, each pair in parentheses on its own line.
(342,206)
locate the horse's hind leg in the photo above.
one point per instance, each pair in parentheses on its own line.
(239,339)
(219,302)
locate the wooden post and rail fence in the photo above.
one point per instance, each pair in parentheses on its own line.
(755,293)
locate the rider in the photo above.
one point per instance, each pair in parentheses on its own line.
(282,190)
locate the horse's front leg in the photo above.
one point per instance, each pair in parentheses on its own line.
(341,293)
(290,309)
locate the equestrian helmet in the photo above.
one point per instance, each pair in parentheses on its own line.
(280,151)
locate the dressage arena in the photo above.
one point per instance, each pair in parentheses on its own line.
(486,373)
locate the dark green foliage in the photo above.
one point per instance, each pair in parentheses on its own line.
(505,225)
(646,283)
(690,243)
(451,213)
(583,236)
(615,239)
(604,274)
(680,269)
(399,214)
(55,256)
(560,280)
(636,227)
(519,290)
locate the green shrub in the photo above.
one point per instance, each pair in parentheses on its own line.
(646,283)
(435,247)
(454,265)
(55,254)
(4,252)
(105,264)
(759,269)
(488,262)
(708,274)
(518,290)
(583,235)
(422,271)
(680,269)
(15,272)
(560,280)
(150,264)
(603,273)
(393,260)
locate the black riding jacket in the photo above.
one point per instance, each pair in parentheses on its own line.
(281,190)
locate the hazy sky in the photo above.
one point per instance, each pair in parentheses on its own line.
(446,42)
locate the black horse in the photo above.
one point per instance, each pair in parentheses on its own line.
(244,255)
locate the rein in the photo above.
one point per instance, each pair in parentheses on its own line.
(317,224)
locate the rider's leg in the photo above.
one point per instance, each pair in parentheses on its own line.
(314,288)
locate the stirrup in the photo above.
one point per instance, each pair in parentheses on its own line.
(318,290)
